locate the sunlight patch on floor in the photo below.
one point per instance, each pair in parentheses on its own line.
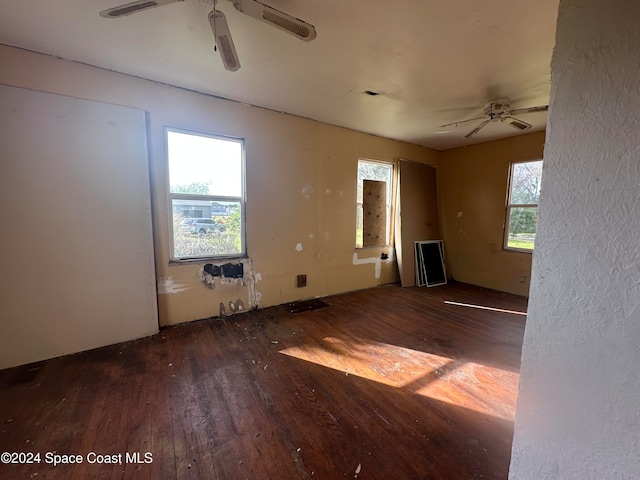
(482,388)
(482,307)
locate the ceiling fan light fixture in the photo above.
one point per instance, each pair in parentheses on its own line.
(282,21)
(133,7)
(223,40)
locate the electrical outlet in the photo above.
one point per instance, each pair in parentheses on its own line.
(301,281)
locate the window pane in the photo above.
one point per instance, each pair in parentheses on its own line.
(525,182)
(372,171)
(219,234)
(522,227)
(204,165)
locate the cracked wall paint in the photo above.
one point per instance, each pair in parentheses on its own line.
(167,285)
(376,261)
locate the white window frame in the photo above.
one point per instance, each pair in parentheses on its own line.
(510,206)
(389,200)
(220,198)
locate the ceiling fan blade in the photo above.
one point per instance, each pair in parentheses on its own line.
(455,124)
(520,111)
(477,129)
(516,123)
(293,26)
(134,7)
(224,42)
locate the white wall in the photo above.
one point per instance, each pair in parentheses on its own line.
(578,413)
(76,250)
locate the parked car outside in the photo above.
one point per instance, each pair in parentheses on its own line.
(201,226)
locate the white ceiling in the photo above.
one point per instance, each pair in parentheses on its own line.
(433,61)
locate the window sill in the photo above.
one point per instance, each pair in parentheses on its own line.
(204,260)
(516,250)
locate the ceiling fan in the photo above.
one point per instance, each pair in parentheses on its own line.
(499,110)
(218,22)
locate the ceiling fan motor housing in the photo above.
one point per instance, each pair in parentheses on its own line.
(497,108)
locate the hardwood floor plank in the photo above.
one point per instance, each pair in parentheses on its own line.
(384,383)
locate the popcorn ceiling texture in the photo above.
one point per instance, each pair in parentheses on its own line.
(578,414)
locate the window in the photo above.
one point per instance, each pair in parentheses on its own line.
(522,205)
(373,222)
(206,193)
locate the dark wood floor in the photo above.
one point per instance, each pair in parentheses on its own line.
(388,383)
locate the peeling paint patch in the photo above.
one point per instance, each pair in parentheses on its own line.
(298,247)
(236,307)
(166,285)
(250,278)
(208,278)
(307,191)
(239,273)
(377,262)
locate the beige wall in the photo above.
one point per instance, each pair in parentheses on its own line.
(472,190)
(301,180)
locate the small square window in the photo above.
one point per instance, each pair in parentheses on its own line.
(206,194)
(522,205)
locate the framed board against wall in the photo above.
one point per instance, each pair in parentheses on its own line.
(74,186)
(430,269)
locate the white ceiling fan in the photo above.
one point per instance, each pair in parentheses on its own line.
(499,110)
(218,22)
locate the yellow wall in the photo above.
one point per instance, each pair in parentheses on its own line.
(472,192)
(301,187)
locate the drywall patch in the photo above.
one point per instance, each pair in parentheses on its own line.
(377,261)
(166,285)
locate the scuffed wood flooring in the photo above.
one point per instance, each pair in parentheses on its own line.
(387,383)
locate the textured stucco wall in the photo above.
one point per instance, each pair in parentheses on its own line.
(578,413)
